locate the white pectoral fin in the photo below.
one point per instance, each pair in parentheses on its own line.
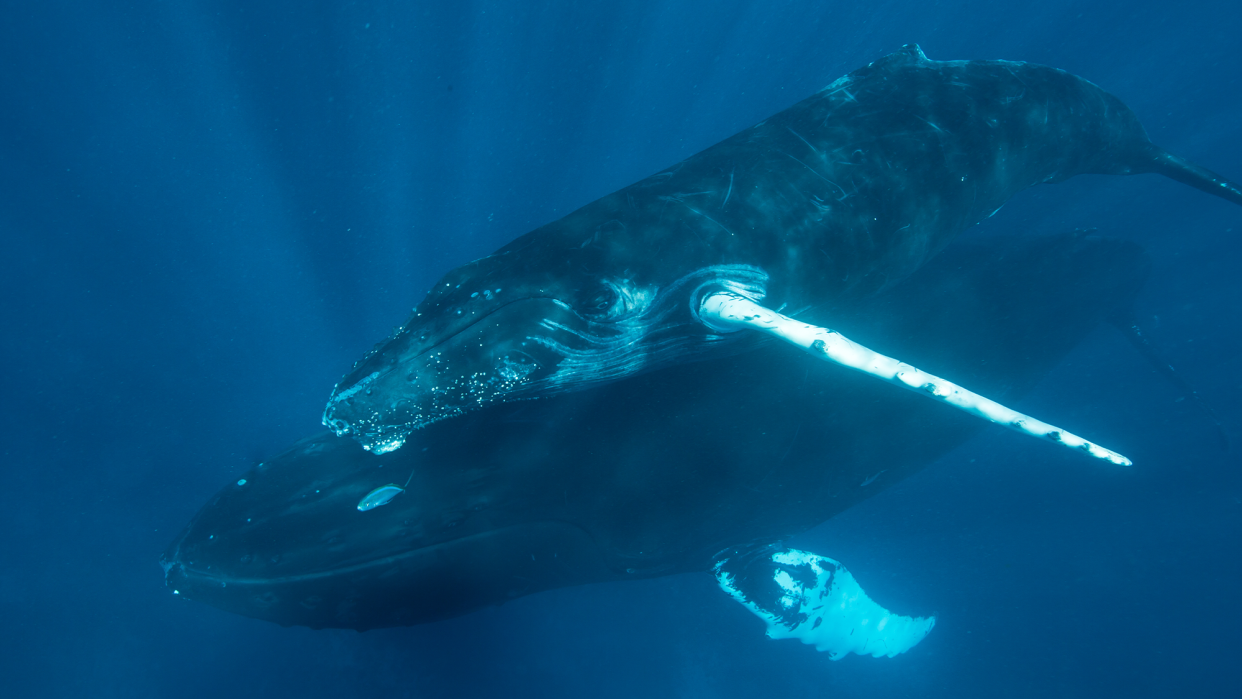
(815,600)
(725,312)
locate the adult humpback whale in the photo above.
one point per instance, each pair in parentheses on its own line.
(702,466)
(810,211)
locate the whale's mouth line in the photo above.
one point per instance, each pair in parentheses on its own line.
(203,576)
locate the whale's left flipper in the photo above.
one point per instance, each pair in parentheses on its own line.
(815,600)
(725,311)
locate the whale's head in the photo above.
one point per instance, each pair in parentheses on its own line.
(289,541)
(525,323)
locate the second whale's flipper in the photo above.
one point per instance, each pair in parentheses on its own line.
(815,600)
(1129,326)
(727,312)
(1186,172)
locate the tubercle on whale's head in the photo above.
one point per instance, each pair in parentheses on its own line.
(501,329)
(451,355)
(431,370)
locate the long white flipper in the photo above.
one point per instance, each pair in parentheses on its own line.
(727,312)
(815,600)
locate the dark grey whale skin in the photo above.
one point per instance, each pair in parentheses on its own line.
(834,198)
(648,476)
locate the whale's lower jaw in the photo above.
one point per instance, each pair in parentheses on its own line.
(412,587)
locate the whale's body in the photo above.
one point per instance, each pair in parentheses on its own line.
(650,476)
(669,437)
(812,210)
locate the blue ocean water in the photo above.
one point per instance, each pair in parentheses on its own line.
(209,210)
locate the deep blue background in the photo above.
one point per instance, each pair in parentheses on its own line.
(208,210)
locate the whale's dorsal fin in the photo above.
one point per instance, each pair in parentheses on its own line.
(815,600)
(907,54)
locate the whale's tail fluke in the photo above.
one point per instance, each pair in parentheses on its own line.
(1186,172)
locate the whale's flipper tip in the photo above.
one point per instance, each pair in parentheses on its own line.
(817,601)
(1201,178)
(1129,326)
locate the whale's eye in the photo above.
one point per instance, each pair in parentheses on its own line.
(602,304)
(603,301)
(615,300)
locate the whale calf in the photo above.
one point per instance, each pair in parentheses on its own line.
(704,466)
(794,221)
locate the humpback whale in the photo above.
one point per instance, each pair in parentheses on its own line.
(778,231)
(704,466)
(671,434)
